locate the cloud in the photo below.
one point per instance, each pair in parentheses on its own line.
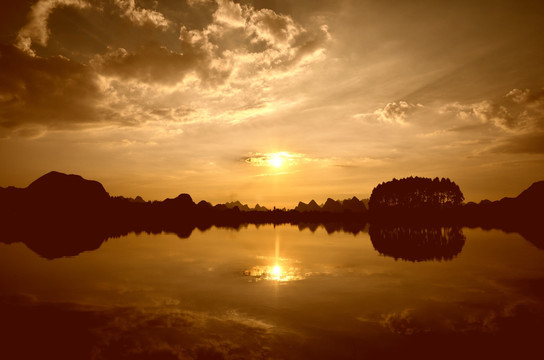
(516,121)
(140,16)
(397,112)
(240,41)
(276,30)
(36,29)
(229,13)
(517,111)
(221,66)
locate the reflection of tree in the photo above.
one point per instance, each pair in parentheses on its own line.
(417,243)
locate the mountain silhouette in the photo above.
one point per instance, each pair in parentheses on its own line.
(311,206)
(332,206)
(521,214)
(242,207)
(237,204)
(260,208)
(353,205)
(55,197)
(60,187)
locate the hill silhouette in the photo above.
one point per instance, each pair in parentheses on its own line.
(352,205)
(55,186)
(522,214)
(244,207)
(51,214)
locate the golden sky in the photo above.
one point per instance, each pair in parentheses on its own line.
(272,102)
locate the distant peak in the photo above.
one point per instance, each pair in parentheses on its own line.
(183,196)
(535,192)
(59,185)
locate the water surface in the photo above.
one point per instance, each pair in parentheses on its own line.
(276,293)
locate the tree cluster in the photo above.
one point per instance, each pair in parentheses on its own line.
(416,193)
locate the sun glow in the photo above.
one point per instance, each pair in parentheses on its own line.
(276,272)
(283,273)
(276,160)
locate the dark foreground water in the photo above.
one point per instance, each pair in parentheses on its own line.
(278,293)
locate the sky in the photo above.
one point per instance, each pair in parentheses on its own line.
(272,102)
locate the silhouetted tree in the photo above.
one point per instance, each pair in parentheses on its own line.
(416,193)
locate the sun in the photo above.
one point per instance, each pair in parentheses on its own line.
(276,160)
(276,272)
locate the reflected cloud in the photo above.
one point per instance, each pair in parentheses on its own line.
(403,323)
(462,318)
(73,331)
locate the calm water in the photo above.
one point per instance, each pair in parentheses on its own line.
(274,293)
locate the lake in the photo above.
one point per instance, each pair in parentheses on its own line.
(283,292)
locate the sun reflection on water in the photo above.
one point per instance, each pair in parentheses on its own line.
(275,273)
(282,270)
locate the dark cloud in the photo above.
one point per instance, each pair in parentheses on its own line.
(13,16)
(51,91)
(36,30)
(154,63)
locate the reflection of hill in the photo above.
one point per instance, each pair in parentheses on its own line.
(64,240)
(417,243)
(52,243)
